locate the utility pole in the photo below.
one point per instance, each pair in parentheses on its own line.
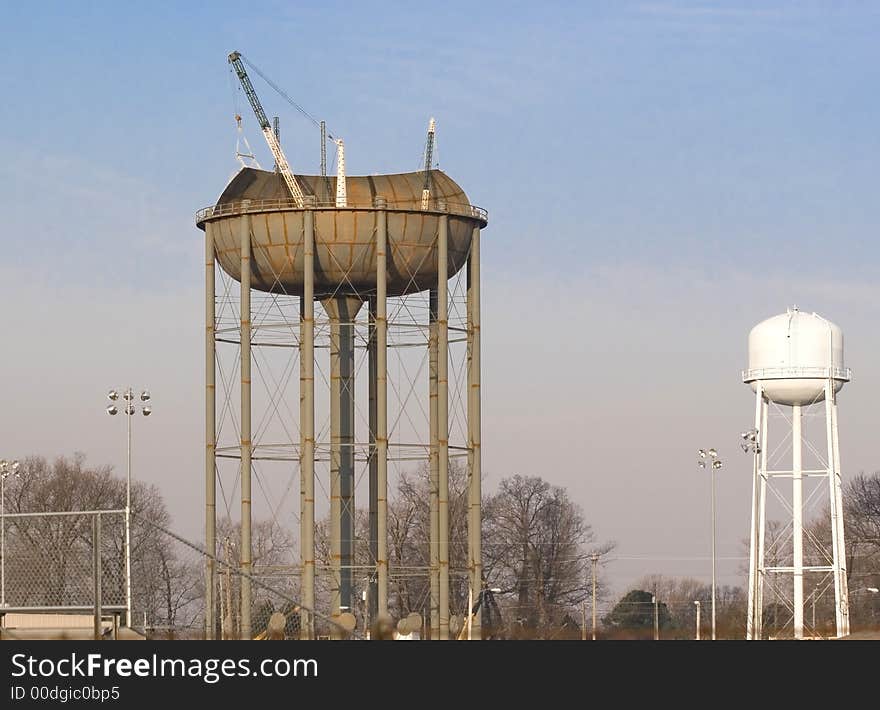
(227,624)
(96,573)
(594,560)
(813,599)
(222,609)
(366,611)
(470,610)
(656,616)
(584,627)
(7,468)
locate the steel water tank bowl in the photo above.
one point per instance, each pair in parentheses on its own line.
(345,237)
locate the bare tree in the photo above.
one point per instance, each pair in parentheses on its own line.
(861,504)
(167,579)
(679,595)
(52,554)
(408,553)
(273,561)
(537,547)
(861,515)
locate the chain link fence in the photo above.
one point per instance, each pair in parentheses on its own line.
(63,561)
(63,565)
(66,564)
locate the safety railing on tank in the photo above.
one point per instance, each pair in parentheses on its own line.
(240,207)
(782,373)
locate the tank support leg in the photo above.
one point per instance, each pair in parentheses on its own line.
(245,446)
(342,311)
(307,426)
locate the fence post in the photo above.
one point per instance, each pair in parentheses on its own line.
(96,569)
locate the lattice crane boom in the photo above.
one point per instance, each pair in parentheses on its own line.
(266,127)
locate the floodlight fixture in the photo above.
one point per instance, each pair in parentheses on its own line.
(9,468)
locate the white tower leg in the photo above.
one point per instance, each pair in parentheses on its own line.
(752,622)
(762,502)
(797,520)
(841,606)
(843,628)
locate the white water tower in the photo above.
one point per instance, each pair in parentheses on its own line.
(796,368)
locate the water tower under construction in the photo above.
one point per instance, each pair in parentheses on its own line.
(796,369)
(384,370)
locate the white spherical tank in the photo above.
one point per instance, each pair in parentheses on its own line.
(793,355)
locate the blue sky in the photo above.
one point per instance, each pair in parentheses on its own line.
(659,175)
(619,130)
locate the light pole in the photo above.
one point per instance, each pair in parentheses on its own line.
(7,468)
(129,409)
(594,560)
(813,600)
(697,603)
(584,627)
(710,457)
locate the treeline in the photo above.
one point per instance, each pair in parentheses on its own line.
(536,546)
(633,616)
(49,558)
(536,552)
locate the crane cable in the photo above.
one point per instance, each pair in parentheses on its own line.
(285,96)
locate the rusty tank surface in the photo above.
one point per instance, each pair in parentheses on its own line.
(345,244)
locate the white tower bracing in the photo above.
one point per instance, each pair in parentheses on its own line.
(796,367)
